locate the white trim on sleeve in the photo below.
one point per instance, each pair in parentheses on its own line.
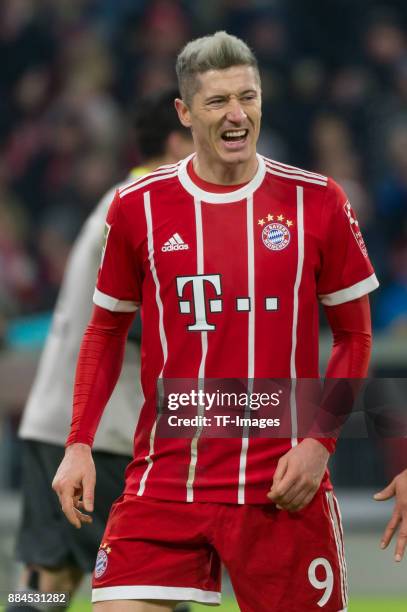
(156,593)
(113,304)
(350,293)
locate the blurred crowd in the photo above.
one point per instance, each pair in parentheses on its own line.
(335,101)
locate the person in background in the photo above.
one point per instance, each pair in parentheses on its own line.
(398,489)
(56,555)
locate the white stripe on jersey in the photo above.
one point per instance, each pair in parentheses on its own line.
(293,170)
(204,342)
(341,539)
(251,284)
(300,263)
(163,338)
(339,547)
(140,179)
(250,342)
(295,177)
(150,241)
(149,179)
(160,171)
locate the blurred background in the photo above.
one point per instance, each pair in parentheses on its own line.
(334,76)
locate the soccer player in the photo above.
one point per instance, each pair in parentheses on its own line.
(228,254)
(55,554)
(398,489)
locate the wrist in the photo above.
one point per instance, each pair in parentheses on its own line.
(78,447)
(328,443)
(319,444)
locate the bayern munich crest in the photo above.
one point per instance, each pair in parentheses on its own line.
(276,235)
(102,561)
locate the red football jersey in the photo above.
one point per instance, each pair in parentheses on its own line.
(229,285)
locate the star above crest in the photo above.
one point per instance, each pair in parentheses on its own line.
(273,218)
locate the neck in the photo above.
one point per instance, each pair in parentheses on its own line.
(225,174)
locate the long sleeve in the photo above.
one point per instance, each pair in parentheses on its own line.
(98,369)
(352,341)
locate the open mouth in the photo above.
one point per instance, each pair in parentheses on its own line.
(235,136)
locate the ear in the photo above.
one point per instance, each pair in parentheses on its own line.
(183,112)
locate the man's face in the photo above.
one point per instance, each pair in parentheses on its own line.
(225,114)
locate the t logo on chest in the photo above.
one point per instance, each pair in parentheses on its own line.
(200,300)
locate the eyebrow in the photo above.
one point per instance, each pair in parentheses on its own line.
(223,95)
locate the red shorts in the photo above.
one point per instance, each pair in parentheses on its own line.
(277,561)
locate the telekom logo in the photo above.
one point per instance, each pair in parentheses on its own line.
(201,304)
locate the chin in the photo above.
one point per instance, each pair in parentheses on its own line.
(238,157)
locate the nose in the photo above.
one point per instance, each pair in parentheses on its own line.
(235,112)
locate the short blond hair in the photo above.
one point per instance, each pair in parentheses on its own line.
(216,52)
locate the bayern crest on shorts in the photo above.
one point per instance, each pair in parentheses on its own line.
(102,560)
(276,236)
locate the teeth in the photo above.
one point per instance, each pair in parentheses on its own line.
(238,134)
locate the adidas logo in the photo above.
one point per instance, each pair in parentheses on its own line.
(175,243)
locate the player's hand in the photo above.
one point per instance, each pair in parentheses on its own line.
(298,475)
(398,489)
(74,483)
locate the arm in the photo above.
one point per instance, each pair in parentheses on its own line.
(352,339)
(99,365)
(300,471)
(351,329)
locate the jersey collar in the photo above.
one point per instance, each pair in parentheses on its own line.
(220,198)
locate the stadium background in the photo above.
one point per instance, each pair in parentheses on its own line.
(335,101)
